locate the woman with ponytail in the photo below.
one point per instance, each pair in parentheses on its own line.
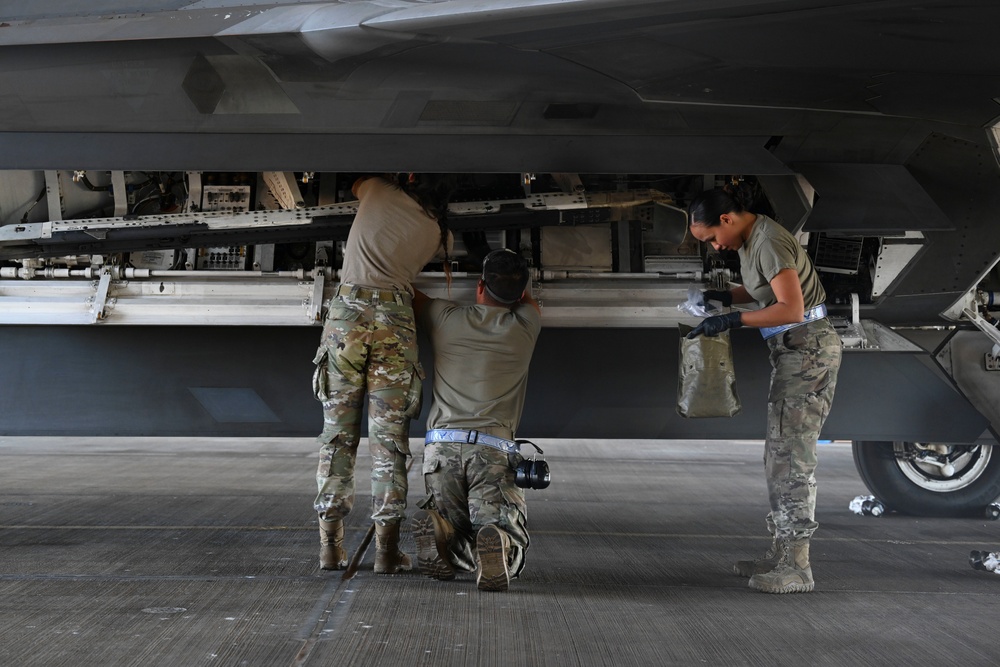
(369,347)
(805,353)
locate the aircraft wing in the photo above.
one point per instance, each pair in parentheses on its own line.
(694,86)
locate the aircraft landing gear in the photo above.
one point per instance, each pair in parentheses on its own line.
(928,479)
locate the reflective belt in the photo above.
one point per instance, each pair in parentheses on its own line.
(813,314)
(472,438)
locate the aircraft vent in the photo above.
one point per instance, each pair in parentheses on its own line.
(835,254)
(234,84)
(468,112)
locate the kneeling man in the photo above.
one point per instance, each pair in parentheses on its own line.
(475,516)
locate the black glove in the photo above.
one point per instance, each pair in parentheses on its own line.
(716,324)
(725,296)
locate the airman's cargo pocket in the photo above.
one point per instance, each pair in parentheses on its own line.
(797,416)
(415,393)
(321,379)
(512,496)
(430,465)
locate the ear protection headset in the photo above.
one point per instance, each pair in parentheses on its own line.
(532,473)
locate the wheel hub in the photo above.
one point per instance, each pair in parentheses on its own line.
(941,468)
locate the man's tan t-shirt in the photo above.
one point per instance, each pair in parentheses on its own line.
(481,359)
(770,249)
(391,238)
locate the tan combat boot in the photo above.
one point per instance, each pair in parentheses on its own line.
(491,555)
(792,573)
(332,555)
(388,558)
(433,534)
(748,568)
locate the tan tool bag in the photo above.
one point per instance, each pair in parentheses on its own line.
(706,377)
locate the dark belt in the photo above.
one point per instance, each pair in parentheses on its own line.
(370,294)
(472,438)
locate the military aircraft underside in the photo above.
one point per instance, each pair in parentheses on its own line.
(187,167)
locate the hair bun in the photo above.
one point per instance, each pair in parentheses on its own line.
(741,192)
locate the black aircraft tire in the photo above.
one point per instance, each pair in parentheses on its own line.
(966,493)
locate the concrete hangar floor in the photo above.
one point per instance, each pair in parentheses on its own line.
(203,552)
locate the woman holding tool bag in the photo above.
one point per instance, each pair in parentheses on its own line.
(805,353)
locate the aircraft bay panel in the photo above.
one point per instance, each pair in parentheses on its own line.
(869,200)
(583,383)
(962,179)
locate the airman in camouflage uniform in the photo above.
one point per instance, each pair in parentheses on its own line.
(806,361)
(366,344)
(369,347)
(475,516)
(473,486)
(805,353)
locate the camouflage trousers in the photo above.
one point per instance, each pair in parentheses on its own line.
(805,361)
(473,486)
(369,346)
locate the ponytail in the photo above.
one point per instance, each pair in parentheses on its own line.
(433,192)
